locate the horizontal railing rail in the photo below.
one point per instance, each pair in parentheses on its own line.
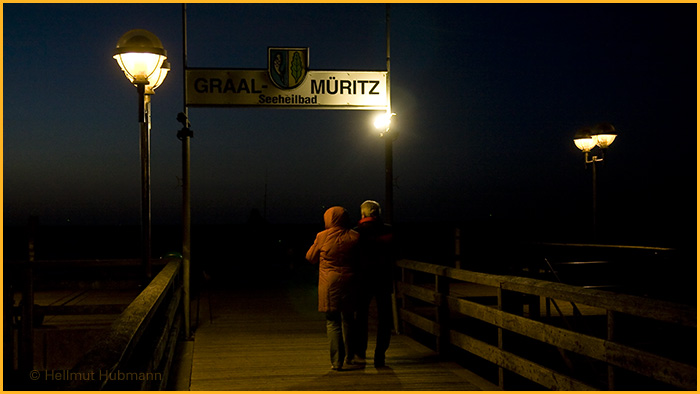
(434,300)
(137,351)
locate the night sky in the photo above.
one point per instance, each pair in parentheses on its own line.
(487,96)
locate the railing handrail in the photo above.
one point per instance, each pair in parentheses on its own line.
(606,246)
(685,315)
(607,350)
(119,342)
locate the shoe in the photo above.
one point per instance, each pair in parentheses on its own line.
(357,360)
(351,364)
(379,362)
(336,367)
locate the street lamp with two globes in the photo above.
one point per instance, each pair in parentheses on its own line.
(586,139)
(142,58)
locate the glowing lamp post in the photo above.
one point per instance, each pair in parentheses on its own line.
(601,136)
(142,58)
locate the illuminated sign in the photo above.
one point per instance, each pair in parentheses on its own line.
(287,83)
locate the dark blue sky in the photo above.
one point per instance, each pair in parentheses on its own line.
(487,98)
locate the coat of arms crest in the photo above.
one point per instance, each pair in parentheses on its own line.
(287,67)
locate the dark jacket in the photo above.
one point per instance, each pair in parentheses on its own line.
(375,255)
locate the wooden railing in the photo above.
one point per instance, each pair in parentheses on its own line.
(596,340)
(136,353)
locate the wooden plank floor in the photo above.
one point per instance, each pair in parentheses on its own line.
(275,340)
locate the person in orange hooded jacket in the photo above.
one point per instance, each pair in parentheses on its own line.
(333,251)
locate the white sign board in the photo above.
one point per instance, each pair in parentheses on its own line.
(253,88)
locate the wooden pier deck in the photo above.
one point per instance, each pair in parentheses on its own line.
(274,339)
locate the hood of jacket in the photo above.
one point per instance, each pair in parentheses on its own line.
(336,217)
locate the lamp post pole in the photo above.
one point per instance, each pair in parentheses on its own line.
(145,147)
(186,229)
(595,199)
(184,135)
(383,122)
(389,179)
(389,137)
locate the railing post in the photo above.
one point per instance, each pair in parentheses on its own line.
(26,350)
(8,331)
(534,310)
(501,372)
(611,337)
(406,277)
(458,249)
(442,288)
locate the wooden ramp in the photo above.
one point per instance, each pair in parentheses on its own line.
(274,339)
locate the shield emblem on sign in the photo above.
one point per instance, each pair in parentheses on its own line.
(287,67)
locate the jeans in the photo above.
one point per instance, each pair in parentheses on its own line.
(340,331)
